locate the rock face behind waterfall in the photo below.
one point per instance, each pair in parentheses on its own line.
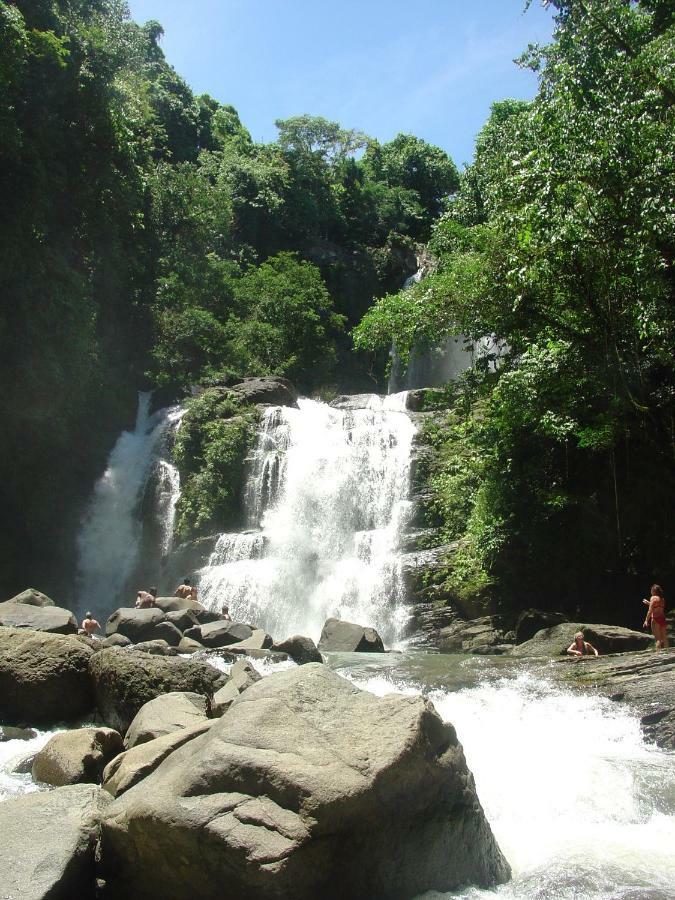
(306,787)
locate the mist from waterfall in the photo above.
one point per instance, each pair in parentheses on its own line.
(109,542)
(326,502)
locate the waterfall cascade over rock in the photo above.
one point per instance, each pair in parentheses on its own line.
(131,512)
(326,502)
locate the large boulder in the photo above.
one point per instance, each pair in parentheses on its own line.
(75,757)
(116,640)
(52,619)
(220,633)
(306,787)
(133,765)
(157,647)
(125,681)
(32,597)
(530,621)
(271,390)
(182,619)
(49,838)
(257,641)
(349,638)
(242,676)
(44,678)
(166,714)
(302,650)
(136,624)
(554,641)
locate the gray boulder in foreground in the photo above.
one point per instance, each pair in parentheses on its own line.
(166,714)
(302,650)
(124,681)
(32,597)
(51,619)
(44,678)
(554,641)
(76,757)
(306,787)
(349,638)
(48,844)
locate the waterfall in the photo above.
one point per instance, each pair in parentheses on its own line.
(325,507)
(132,509)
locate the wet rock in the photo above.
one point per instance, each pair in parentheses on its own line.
(125,681)
(242,676)
(188,645)
(271,390)
(166,714)
(426,622)
(51,619)
(554,641)
(44,678)
(352,401)
(306,787)
(76,757)
(8,733)
(530,621)
(32,597)
(423,571)
(301,649)
(646,681)
(183,619)
(258,640)
(48,843)
(133,765)
(157,647)
(483,636)
(116,640)
(220,633)
(349,637)
(136,624)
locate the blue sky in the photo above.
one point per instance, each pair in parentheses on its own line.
(430,68)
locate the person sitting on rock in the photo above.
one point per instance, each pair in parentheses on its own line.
(186,590)
(225,614)
(90,625)
(656,616)
(579,647)
(145,599)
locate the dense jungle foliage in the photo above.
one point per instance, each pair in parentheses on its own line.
(146,239)
(556,471)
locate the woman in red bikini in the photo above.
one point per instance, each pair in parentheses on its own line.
(656,616)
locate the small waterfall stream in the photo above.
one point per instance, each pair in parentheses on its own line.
(137,493)
(325,506)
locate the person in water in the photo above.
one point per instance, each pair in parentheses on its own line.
(184,590)
(579,647)
(90,625)
(656,616)
(145,599)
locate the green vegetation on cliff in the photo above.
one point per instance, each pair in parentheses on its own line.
(557,471)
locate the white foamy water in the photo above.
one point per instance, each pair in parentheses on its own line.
(12,753)
(110,535)
(581,806)
(328,490)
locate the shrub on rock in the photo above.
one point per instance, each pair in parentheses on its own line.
(44,678)
(306,787)
(78,756)
(349,638)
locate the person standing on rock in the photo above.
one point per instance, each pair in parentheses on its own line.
(90,625)
(145,599)
(656,616)
(580,647)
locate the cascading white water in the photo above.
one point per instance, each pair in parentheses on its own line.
(581,806)
(328,488)
(110,535)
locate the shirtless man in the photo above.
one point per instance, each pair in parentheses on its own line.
(656,616)
(185,590)
(580,647)
(145,599)
(90,625)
